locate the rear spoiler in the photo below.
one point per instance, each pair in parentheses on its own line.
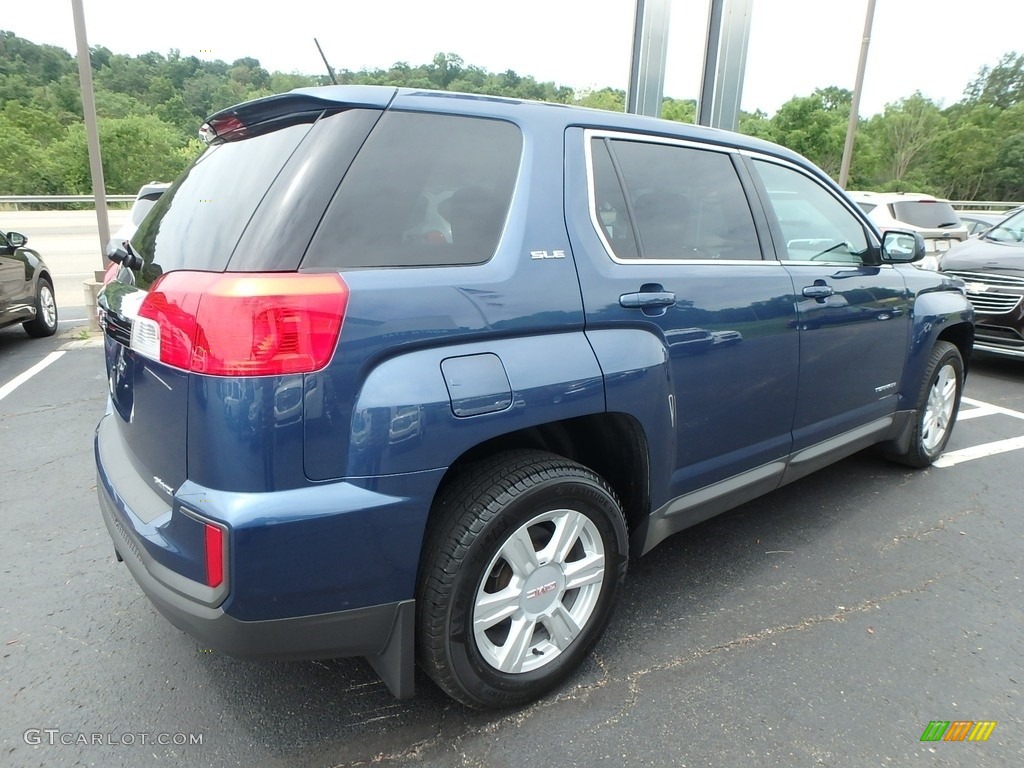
(303,105)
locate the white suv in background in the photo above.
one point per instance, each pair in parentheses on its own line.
(933,218)
(144,201)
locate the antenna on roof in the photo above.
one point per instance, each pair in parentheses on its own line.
(329,70)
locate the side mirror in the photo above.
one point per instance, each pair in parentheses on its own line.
(902,247)
(16,239)
(121,253)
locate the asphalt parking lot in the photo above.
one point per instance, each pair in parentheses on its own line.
(826,624)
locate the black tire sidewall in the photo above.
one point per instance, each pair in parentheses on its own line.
(477,678)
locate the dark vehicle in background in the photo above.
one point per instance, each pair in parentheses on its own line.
(412,375)
(934,219)
(992,267)
(26,288)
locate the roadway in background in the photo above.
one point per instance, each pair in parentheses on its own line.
(69,243)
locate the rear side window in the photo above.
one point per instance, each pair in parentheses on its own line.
(425,190)
(685,203)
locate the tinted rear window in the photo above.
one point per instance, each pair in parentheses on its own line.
(425,190)
(925,213)
(198,221)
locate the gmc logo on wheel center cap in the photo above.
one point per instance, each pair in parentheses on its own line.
(541,590)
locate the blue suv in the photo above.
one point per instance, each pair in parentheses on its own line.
(412,375)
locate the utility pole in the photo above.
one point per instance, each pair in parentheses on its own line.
(851,128)
(99,191)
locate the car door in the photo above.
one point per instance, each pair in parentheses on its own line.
(666,245)
(853,313)
(12,281)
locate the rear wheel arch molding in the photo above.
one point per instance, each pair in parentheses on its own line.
(961,336)
(613,445)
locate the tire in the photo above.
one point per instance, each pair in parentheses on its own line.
(521,566)
(45,322)
(938,403)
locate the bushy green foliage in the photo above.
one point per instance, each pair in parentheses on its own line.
(136,149)
(151,106)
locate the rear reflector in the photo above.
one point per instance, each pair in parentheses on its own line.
(238,323)
(214,555)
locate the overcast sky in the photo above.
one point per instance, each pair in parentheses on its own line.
(934,46)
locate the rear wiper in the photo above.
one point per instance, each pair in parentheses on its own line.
(948,224)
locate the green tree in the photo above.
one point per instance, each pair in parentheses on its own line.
(814,126)
(909,127)
(1001,86)
(22,160)
(135,150)
(38,124)
(611,99)
(680,110)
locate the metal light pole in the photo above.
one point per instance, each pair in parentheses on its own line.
(647,62)
(725,63)
(92,134)
(851,128)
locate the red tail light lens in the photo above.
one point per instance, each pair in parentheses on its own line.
(214,555)
(237,323)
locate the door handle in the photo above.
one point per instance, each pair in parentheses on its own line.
(647,299)
(818,291)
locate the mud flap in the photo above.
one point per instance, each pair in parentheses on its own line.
(397,662)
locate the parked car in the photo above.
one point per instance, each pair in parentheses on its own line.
(144,202)
(933,218)
(508,412)
(978,222)
(992,266)
(26,288)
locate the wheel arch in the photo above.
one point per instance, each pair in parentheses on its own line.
(961,336)
(613,445)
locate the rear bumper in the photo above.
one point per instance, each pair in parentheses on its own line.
(356,632)
(323,571)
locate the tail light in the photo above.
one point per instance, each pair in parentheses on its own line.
(237,323)
(214,555)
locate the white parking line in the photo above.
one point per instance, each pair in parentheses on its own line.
(979,409)
(989,408)
(973,413)
(17,381)
(979,451)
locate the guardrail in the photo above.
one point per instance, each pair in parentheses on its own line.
(32,200)
(983,205)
